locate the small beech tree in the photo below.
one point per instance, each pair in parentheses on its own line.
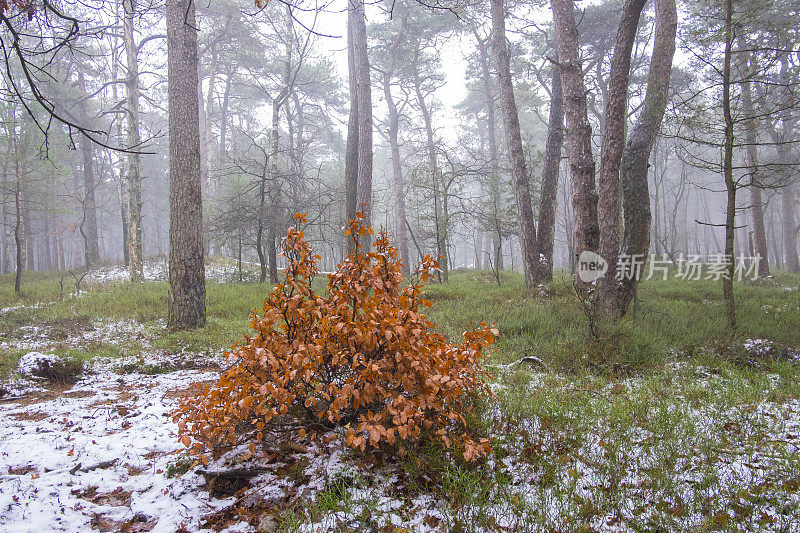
(362,361)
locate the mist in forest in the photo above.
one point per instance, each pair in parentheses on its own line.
(440,146)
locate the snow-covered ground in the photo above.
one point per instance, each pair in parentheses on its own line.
(96,454)
(78,335)
(155,270)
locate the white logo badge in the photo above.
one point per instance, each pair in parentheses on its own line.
(591,266)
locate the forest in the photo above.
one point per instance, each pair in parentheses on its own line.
(399,265)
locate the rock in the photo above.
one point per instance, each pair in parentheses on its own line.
(50,367)
(37,364)
(267,523)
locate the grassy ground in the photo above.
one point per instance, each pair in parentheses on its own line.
(666,420)
(672,316)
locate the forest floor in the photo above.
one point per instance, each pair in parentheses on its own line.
(664,421)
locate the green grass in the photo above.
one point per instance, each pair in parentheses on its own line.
(680,316)
(672,316)
(638,441)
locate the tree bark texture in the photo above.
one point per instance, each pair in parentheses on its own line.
(358,159)
(275,193)
(756,201)
(88,228)
(364,95)
(552,163)
(578,133)
(615,118)
(351,151)
(789,228)
(727,170)
(91,246)
(19,240)
(118,162)
(635,157)
(397,169)
(135,242)
(519,174)
(788,121)
(187,289)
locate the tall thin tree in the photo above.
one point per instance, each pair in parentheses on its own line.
(578,132)
(360,139)
(634,164)
(519,174)
(187,287)
(134,178)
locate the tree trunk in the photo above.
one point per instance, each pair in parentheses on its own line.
(358,32)
(122,188)
(300,141)
(480,233)
(494,160)
(635,194)
(135,241)
(209,123)
(262,259)
(440,225)
(223,119)
(5,267)
(48,258)
(397,170)
(272,253)
(757,210)
(187,284)
(351,153)
(27,229)
(262,220)
(123,213)
(18,229)
(756,201)
(789,228)
(275,197)
(772,238)
(448,261)
(615,118)
(62,260)
(239,255)
(91,246)
(578,134)
(5,223)
(788,123)
(519,174)
(552,163)
(727,170)
(491,138)
(18,236)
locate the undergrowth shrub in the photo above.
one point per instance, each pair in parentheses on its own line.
(63,372)
(51,368)
(361,360)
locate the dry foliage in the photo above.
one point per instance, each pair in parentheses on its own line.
(361,360)
(26,6)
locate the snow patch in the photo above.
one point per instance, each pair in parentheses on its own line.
(33,364)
